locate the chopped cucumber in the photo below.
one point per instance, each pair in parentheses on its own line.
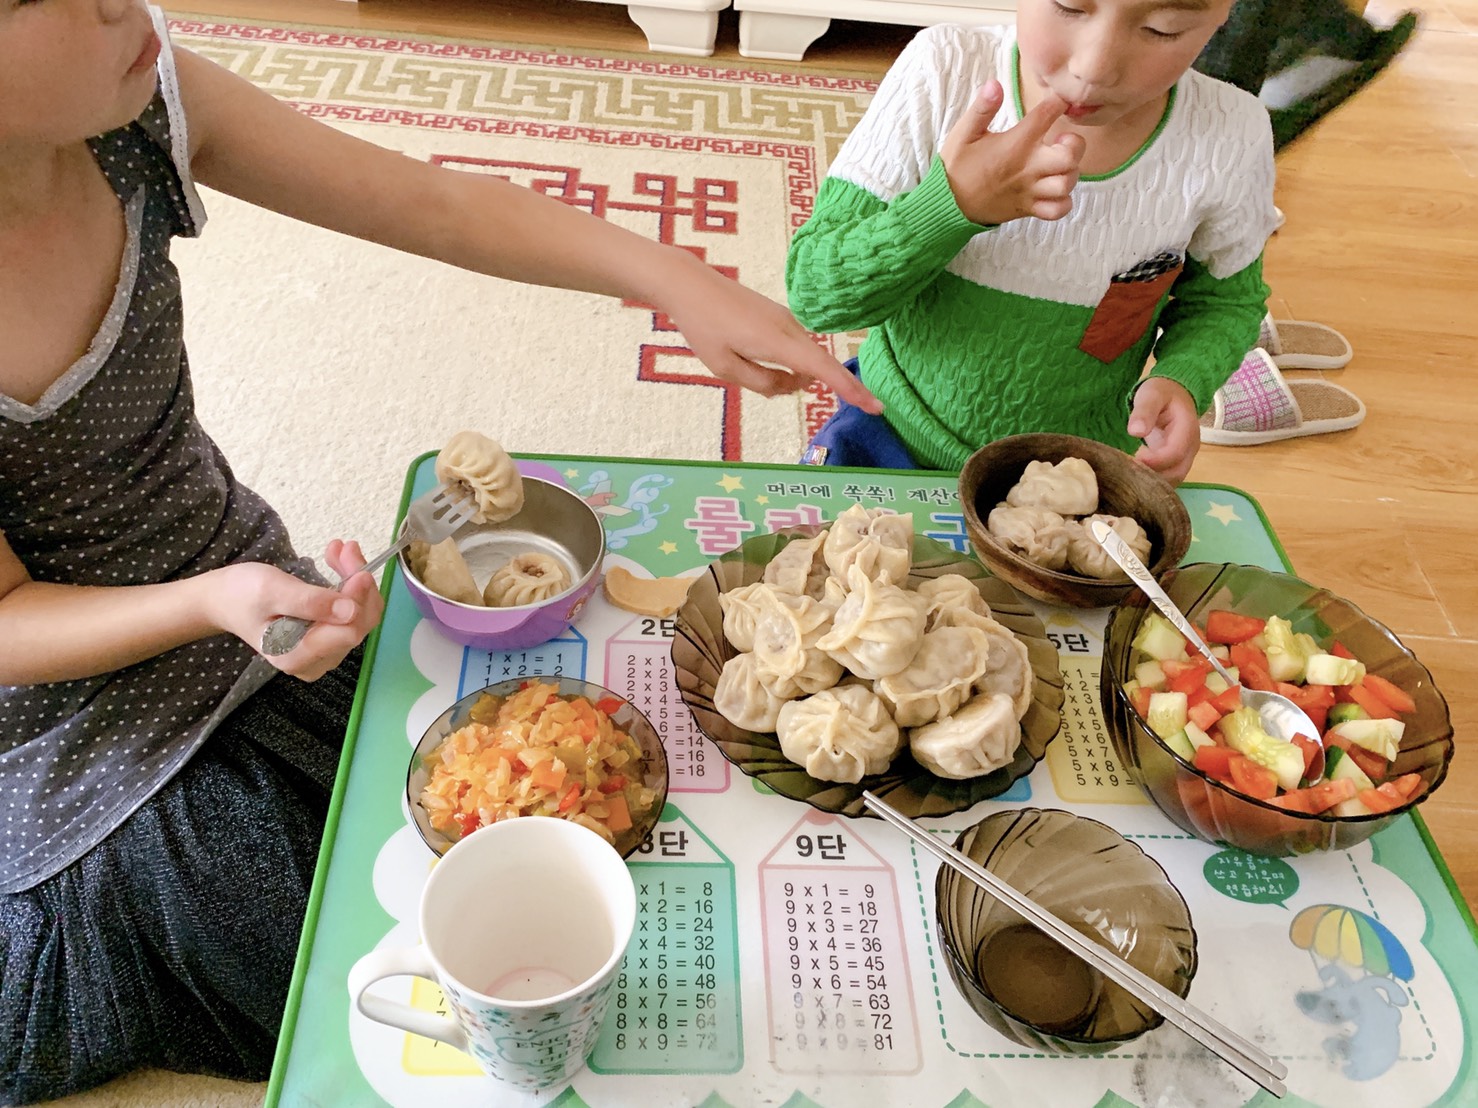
(1330,669)
(1168,713)
(1180,743)
(1198,737)
(1215,685)
(1338,766)
(1150,675)
(1286,657)
(1158,638)
(1343,713)
(1221,652)
(1382,736)
(1243,732)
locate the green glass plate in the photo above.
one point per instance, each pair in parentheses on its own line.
(699,651)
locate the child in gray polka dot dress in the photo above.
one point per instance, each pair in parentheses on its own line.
(163,788)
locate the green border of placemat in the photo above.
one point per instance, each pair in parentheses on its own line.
(351,737)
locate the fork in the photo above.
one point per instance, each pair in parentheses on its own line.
(432,517)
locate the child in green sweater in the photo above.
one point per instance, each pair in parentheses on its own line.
(1023,217)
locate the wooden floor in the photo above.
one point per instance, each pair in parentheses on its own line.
(1381,242)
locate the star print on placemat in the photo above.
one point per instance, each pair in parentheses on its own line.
(1223,512)
(668,548)
(729,484)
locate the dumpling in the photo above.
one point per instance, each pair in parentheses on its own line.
(939,679)
(1009,671)
(445,573)
(841,734)
(878,540)
(800,568)
(742,699)
(478,467)
(787,656)
(1087,556)
(979,738)
(950,590)
(742,608)
(527,579)
(878,628)
(1038,534)
(1069,488)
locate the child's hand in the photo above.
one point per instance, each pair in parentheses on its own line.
(733,330)
(997,177)
(1164,417)
(252,594)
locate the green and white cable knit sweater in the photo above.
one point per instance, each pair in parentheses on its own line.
(974,331)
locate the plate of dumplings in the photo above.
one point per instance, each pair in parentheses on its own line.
(824,661)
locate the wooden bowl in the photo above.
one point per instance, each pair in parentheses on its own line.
(1125,488)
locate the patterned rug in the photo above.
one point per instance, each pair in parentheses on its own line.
(324,364)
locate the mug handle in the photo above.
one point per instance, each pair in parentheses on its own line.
(399,962)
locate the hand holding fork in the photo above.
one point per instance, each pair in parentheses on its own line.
(432,517)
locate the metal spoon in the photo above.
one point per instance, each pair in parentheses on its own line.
(1280,717)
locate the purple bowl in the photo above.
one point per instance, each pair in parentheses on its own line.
(553,521)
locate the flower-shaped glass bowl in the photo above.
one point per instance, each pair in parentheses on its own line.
(624,714)
(699,651)
(1023,983)
(1215,812)
(1125,488)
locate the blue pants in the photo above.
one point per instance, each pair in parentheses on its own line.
(852,437)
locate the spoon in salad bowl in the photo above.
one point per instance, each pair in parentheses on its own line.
(1278,716)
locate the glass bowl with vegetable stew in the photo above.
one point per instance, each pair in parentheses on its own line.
(538,746)
(1203,759)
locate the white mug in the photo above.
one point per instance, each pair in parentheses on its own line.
(523,925)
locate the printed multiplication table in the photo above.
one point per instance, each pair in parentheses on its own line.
(1081,758)
(676,1007)
(639,667)
(561,657)
(837,976)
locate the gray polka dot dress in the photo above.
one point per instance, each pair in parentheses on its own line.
(109,479)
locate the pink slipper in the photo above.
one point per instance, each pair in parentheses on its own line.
(1258,404)
(1299,344)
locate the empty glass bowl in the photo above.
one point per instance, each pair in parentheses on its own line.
(1023,983)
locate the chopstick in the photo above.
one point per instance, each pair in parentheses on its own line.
(1210,1033)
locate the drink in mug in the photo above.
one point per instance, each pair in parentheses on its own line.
(523,925)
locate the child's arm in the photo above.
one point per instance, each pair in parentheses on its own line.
(247,143)
(51,632)
(919,177)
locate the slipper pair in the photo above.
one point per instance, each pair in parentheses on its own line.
(1258,404)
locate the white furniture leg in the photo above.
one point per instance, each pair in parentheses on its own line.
(782,37)
(676,32)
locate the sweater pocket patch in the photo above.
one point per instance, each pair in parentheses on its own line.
(1126,310)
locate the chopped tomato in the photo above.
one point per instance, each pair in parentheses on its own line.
(1308,696)
(1187,681)
(1140,698)
(1229,700)
(1316,798)
(1340,650)
(1251,779)
(1318,717)
(1215,761)
(609,705)
(467,822)
(1309,748)
(1205,714)
(1373,704)
(1378,801)
(614,783)
(1252,667)
(1371,764)
(1393,695)
(1229,627)
(1408,785)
